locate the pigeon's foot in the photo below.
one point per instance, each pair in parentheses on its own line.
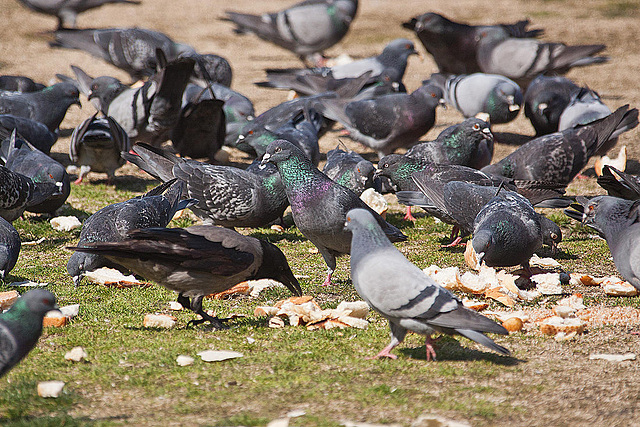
(344,132)
(453,244)
(386,352)
(431,352)
(78,181)
(215,322)
(408,216)
(327,281)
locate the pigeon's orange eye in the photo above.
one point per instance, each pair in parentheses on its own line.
(407,46)
(433,95)
(278,149)
(476,127)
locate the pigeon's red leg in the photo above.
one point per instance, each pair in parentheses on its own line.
(386,352)
(431,352)
(408,216)
(456,242)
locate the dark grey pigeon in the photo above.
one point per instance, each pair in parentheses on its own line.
(350,169)
(479,93)
(33,131)
(67,10)
(506,231)
(210,68)
(227,196)
(523,59)
(306,28)
(453,44)
(302,130)
(618,221)
(130,49)
(18,192)
(545,100)
(21,157)
(9,247)
(404,295)
(197,261)
(21,326)
(388,122)
(560,156)
(47,106)
(318,204)
(19,84)
(619,184)
(96,145)
(112,223)
(311,84)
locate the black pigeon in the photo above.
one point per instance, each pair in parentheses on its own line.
(21,157)
(130,49)
(112,223)
(618,221)
(545,100)
(33,131)
(9,247)
(560,156)
(19,84)
(96,145)
(388,122)
(306,28)
(21,326)
(18,192)
(619,184)
(47,106)
(227,196)
(67,10)
(197,261)
(453,44)
(351,170)
(319,205)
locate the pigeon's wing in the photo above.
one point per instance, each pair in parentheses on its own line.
(619,184)
(8,349)
(373,118)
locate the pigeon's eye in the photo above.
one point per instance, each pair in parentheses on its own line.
(591,208)
(554,236)
(476,126)
(358,169)
(433,95)
(250,132)
(407,46)
(278,149)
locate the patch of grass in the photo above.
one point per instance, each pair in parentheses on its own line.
(619,9)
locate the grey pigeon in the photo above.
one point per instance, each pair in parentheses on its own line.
(9,247)
(398,168)
(473,94)
(227,196)
(130,49)
(305,84)
(67,10)
(350,169)
(112,223)
(453,44)
(18,192)
(197,261)
(303,131)
(47,106)
(404,295)
(560,156)
(388,122)
(95,146)
(210,69)
(148,113)
(619,184)
(319,205)
(618,221)
(306,28)
(21,157)
(21,326)
(545,100)
(19,84)
(33,131)
(522,59)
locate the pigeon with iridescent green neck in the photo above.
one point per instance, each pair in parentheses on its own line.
(318,204)
(21,326)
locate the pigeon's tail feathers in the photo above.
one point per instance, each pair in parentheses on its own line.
(351,87)
(393,233)
(578,56)
(629,121)
(555,203)
(607,126)
(590,60)
(462,318)
(154,161)
(246,23)
(484,340)
(624,186)
(79,39)
(539,191)
(413,198)
(431,189)
(83,80)
(333,109)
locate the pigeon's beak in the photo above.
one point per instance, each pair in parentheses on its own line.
(487,134)
(543,106)
(78,103)
(265,159)
(480,257)
(290,281)
(576,211)
(512,105)
(77,280)
(442,103)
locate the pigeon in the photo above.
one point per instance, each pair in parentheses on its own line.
(96,145)
(473,94)
(545,100)
(619,184)
(19,84)
(618,221)
(388,122)
(112,223)
(305,84)
(21,157)
(227,196)
(33,131)
(148,113)
(398,168)
(302,130)
(506,231)
(197,261)
(522,59)
(47,106)
(350,170)
(67,10)
(306,29)
(18,192)
(469,143)
(130,49)
(319,205)
(560,156)
(21,326)
(210,68)
(9,247)
(404,295)
(453,44)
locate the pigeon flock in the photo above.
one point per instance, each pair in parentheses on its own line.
(175,123)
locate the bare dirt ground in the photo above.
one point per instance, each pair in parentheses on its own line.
(587,392)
